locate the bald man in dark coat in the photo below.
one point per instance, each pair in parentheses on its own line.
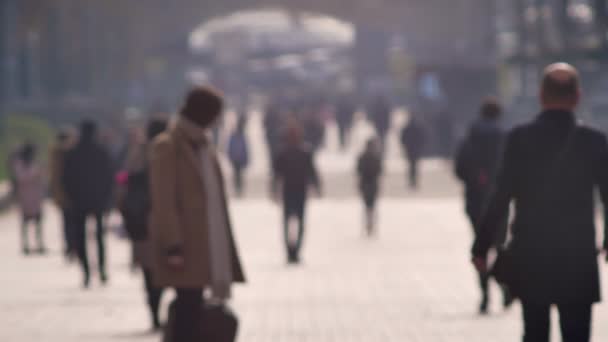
(551,168)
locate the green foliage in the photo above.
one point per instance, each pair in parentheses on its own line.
(16,129)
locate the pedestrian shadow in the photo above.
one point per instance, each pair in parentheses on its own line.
(470,316)
(136,335)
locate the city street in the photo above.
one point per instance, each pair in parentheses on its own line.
(413,282)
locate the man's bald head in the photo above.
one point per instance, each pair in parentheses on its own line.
(560,87)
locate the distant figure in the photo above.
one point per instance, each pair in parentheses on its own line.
(190,231)
(445,134)
(549,172)
(295,172)
(314,130)
(58,151)
(345,113)
(413,141)
(369,171)
(135,208)
(30,195)
(379,113)
(238,153)
(88,183)
(272,129)
(477,164)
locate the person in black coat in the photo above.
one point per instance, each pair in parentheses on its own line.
(476,165)
(345,113)
(88,183)
(369,171)
(550,170)
(295,172)
(135,208)
(413,141)
(379,113)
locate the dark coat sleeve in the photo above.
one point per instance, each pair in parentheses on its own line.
(601,179)
(498,208)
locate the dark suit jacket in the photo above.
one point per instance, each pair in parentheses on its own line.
(550,170)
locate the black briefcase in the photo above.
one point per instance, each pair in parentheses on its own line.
(219,324)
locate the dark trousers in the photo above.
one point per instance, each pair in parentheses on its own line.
(474,210)
(154,295)
(239,184)
(80,241)
(413,172)
(188,315)
(575,322)
(25,241)
(68,231)
(294,208)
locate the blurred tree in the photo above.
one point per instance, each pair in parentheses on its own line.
(19,128)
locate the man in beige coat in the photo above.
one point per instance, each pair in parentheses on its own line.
(193,245)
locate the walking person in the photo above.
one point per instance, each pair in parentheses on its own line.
(238,152)
(476,166)
(135,208)
(549,171)
(295,172)
(345,113)
(190,231)
(30,188)
(88,183)
(379,113)
(369,171)
(413,141)
(57,155)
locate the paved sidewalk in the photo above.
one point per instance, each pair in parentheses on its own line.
(412,283)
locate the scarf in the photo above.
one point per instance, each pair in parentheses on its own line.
(220,256)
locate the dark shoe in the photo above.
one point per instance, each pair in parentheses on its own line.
(156,326)
(104,278)
(26,251)
(483,307)
(293,258)
(42,250)
(87,282)
(508,298)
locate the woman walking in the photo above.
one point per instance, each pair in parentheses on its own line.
(30,195)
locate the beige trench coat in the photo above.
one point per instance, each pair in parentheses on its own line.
(179,214)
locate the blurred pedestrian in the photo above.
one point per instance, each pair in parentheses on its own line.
(549,171)
(445,134)
(379,113)
(272,129)
(477,164)
(369,171)
(135,208)
(314,129)
(345,112)
(413,141)
(238,153)
(88,184)
(194,249)
(58,151)
(295,172)
(30,183)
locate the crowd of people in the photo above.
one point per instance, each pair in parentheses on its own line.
(169,189)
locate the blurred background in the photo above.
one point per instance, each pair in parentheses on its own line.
(123,62)
(63,59)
